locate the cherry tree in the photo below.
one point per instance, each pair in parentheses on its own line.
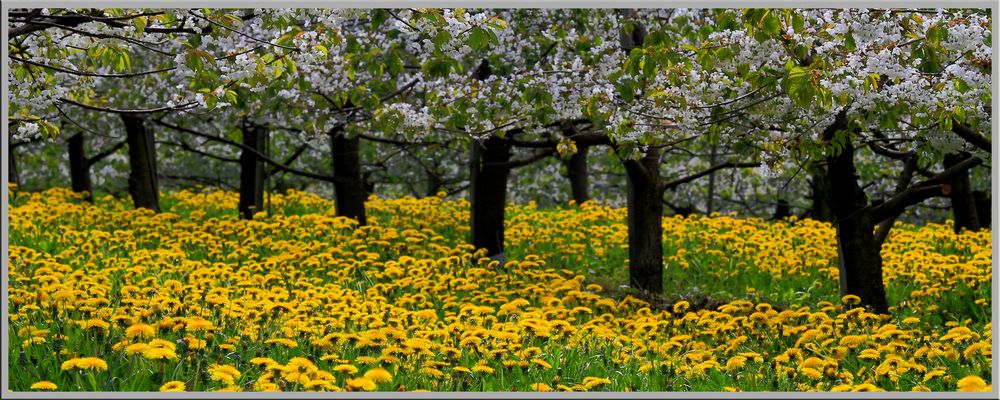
(909,83)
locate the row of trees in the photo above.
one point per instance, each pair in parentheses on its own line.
(784,92)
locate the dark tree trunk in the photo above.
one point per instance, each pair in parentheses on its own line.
(963,205)
(710,199)
(252,172)
(645,227)
(434,183)
(79,167)
(984,208)
(142,182)
(12,175)
(579,175)
(488,194)
(349,188)
(859,259)
(782,210)
(821,209)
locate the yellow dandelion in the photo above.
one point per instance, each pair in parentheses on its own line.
(173,386)
(866,387)
(158,353)
(483,368)
(223,373)
(136,348)
(361,383)
(811,372)
(971,383)
(851,299)
(262,361)
(140,330)
(541,387)
(85,363)
(378,375)
(282,341)
(44,385)
(869,354)
(591,382)
(346,368)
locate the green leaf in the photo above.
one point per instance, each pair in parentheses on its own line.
(139,24)
(771,25)
(849,43)
(478,39)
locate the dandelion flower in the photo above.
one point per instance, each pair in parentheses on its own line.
(136,348)
(851,299)
(379,375)
(866,387)
(483,368)
(812,373)
(173,386)
(362,383)
(85,363)
(223,373)
(140,330)
(44,385)
(971,383)
(346,368)
(541,387)
(591,382)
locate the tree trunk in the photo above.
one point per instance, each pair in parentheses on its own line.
(821,209)
(142,182)
(645,227)
(349,189)
(579,175)
(963,205)
(434,183)
(984,208)
(782,210)
(488,194)
(252,172)
(710,199)
(859,259)
(12,176)
(79,167)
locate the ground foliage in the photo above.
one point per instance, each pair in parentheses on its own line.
(109,298)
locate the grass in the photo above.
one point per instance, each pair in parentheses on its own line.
(747,305)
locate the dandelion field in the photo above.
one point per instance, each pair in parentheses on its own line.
(107,298)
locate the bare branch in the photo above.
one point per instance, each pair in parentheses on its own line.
(972,136)
(680,181)
(924,190)
(94,74)
(105,153)
(275,164)
(181,107)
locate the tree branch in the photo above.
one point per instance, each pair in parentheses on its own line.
(104,154)
(129,111)
(275,164)
(397,142)
(94,74)
(680,181)
(184,145)
(905,177)
(972,136)
(295,156)
(924,190)
(527,161)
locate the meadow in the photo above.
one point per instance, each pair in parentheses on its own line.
(107,298)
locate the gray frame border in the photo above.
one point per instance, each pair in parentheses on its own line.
(995,8)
